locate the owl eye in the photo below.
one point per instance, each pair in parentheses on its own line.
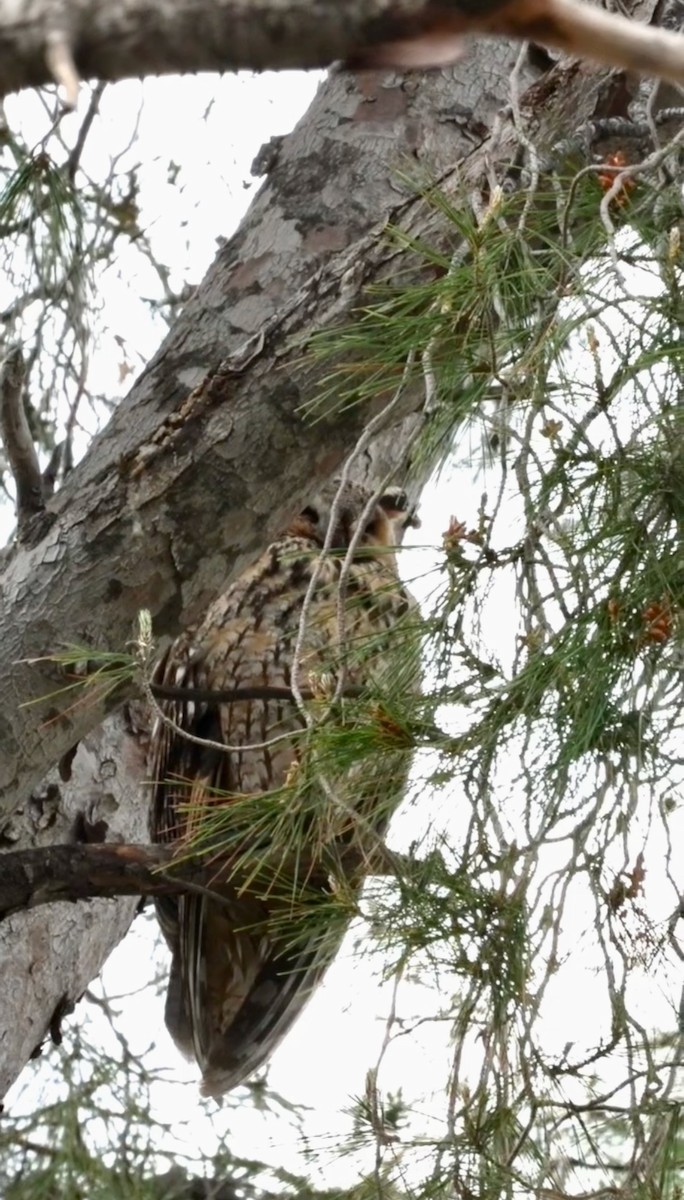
(311,514)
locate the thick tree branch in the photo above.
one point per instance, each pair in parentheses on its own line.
(41,41)
(111,41)
(81,872)
(209,456)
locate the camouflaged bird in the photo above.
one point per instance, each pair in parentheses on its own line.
(240,974)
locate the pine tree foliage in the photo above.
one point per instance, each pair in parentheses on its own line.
(560,756)
(534,887)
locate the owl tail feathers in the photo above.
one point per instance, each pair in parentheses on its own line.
(216,1082)
(175,1013)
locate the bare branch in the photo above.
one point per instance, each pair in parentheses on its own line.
(17,439)
(79,872)
(103,40)
(56,874)
(167,691)
(61,65)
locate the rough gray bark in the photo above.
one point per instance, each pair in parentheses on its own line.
(213,448)
(48,956)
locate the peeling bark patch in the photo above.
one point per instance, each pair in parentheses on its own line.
(38,528)
(326,464)
(147,594)
(301,181)
(170,434)
(248,276)
(327,237)
(385,104)
(368,84)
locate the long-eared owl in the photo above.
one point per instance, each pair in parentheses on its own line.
(240,972)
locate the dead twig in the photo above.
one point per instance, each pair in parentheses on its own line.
(18,442)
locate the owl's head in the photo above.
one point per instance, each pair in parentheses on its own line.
(346,508)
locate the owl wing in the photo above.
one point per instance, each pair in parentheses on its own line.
(237,980)
(246,984)
(241,972)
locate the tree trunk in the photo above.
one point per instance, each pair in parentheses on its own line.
(49,955)
(214,449)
